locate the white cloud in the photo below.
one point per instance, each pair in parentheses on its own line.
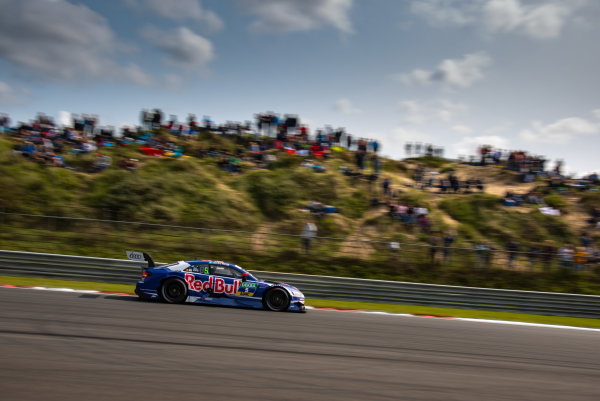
(345,106)
(183,47)
(436,111)
(596,113)
(298,15)
(542,21)
(10,95)
(539,19)
(180,10)
(560,132)
(453,73)
(442,12)
(461,129)
(468,145)
(58,40)
(399,136)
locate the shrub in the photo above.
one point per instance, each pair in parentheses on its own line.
(556,201)
(354,206)
(447,169)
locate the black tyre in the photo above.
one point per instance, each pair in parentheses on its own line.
(173,291)
(276,299)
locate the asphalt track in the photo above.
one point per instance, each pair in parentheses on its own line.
(68,346)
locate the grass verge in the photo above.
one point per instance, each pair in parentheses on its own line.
(450,312)
(326,303)
(76,285)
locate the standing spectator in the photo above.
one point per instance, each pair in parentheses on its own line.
(585,240)
(434,244)
(581,256)
(548,255)
(376,163)
(4,123)
(565,255)
(483,252)
(309,232)
(448,240)
(511,248)
(385,185)
(533,255)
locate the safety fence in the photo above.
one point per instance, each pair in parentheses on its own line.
(106,237)
(324,287)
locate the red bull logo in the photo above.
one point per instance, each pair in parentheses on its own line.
(216,284)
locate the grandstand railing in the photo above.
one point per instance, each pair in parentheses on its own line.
(108,237)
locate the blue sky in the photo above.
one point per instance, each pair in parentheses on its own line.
(518,74)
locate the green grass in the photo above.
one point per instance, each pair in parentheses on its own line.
(449,312)
(326,303)
(76,285)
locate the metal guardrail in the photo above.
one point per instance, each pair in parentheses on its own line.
(337,288)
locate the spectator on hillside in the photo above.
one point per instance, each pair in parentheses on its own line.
(511,248)
(548,254)
(585,240)
(565,255)
(386,186)
(447,240)
(484,254)
(129,164)
(534,254)
(424,223)
(309,232)
(434,244)
(101,163)
(4,123)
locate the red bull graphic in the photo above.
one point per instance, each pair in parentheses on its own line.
(216,284)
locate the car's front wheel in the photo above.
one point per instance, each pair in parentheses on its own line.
(276,299)
(173,291)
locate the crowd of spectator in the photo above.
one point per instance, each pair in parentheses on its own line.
(270,137)
(260,144)
(418,149)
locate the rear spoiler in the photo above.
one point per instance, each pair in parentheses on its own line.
(140,256)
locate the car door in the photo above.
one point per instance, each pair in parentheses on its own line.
(224,281)
(197,277)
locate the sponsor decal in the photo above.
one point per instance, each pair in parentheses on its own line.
(247,289)
(216,284)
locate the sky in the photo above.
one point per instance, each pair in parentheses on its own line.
(515,74)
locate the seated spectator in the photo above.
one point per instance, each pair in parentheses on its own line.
(101,163)
(129,164)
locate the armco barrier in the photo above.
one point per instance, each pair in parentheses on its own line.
(338,288)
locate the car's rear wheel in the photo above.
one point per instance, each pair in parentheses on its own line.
(173,291)
(276,299)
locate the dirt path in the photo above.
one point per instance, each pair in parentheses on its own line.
(353,246)
(258,240)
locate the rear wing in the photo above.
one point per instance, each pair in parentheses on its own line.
(140,257)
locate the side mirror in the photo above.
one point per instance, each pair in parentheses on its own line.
(244,277)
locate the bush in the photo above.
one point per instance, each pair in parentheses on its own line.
(590,200)
(447,169)
(354,206)
(556,201)
(472,209)
(430,161)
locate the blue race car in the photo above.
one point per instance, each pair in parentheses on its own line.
(215,283)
